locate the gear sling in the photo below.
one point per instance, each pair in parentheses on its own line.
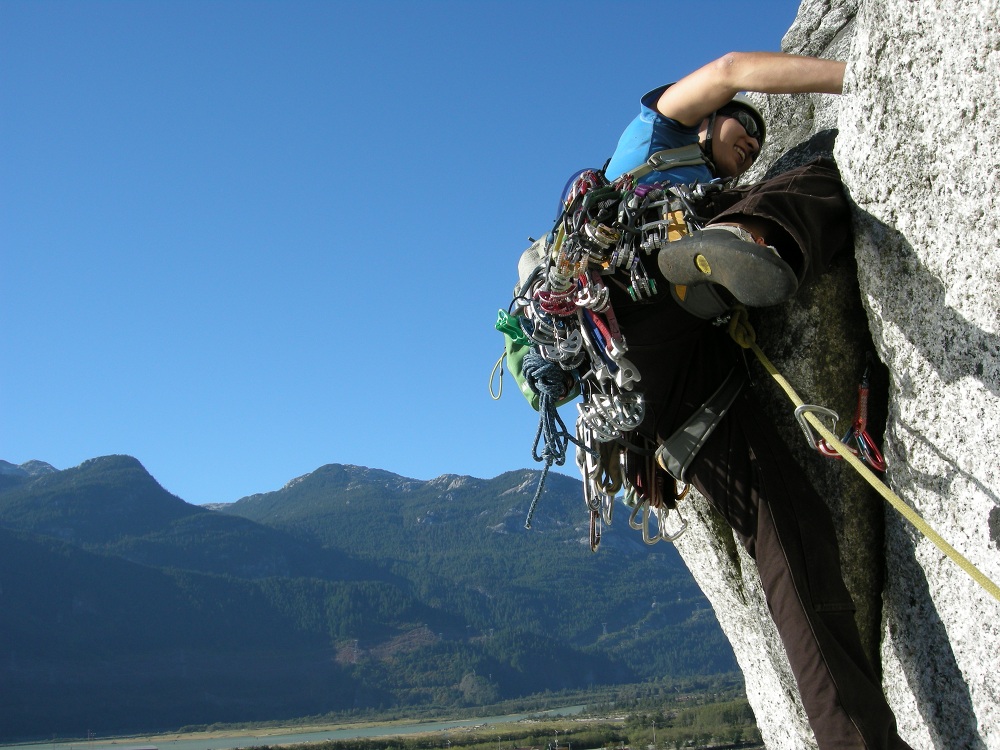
(562,340)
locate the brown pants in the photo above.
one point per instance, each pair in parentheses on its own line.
(748,474)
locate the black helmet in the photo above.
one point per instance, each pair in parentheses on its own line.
(742,109)
(749,117)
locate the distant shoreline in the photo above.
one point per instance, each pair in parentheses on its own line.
(231,739)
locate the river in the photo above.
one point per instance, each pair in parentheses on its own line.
(222,741)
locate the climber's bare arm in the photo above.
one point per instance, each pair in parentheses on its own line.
(697,95)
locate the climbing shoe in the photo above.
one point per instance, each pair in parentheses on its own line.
(727,255)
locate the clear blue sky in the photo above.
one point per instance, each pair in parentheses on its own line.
(241,240)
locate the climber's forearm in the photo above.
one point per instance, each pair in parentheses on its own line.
(702,92)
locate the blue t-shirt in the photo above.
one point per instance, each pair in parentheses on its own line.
(651,132)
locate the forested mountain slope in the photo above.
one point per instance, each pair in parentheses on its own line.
(123,608)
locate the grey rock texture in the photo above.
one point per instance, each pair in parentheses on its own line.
(921,157)
(917,137)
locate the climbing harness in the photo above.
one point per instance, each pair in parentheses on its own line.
(676,452)
(743,334)
(562,340)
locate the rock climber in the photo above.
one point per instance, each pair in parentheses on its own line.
(762,243)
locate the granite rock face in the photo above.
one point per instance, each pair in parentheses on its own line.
(917,138)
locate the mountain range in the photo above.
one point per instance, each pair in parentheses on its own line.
(125,609)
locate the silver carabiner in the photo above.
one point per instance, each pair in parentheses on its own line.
(677,534)
(800,415)
(631,410)
(643,507)
(661,523)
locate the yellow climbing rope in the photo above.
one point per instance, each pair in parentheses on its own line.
(744,335)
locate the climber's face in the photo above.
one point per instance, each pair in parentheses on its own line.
(733,149)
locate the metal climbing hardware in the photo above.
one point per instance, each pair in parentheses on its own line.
(857,438)
(800,416)
(561,313)
(647,498)
(742,335)
(646,512)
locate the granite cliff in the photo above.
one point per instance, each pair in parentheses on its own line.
(918,143)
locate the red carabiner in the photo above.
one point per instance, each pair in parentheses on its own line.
(863,446)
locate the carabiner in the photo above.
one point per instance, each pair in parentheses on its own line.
(857,439)
(661,522)
(800,415)
(870,452)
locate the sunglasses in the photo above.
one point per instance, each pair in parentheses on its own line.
(749,124)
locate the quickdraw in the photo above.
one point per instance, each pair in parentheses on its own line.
(857,438)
